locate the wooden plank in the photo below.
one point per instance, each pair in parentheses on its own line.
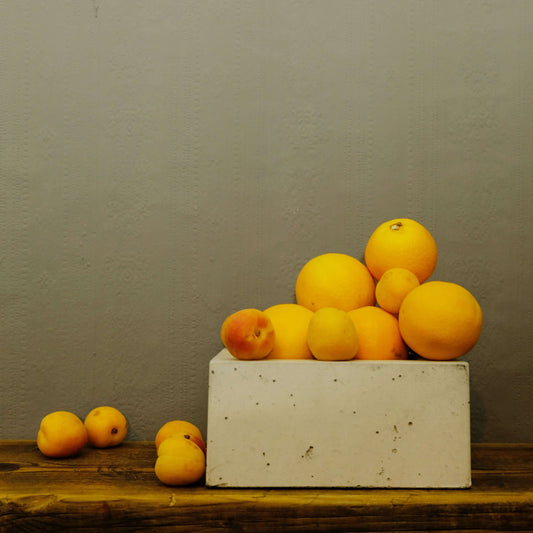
(502,457)
(117,489)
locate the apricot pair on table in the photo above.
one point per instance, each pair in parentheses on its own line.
(64,434)
(248,334)
(180,453)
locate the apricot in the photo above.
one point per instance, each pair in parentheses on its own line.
(248,334)
(332,335)
(180,428)
(61,434)
(106,427)
(179,461)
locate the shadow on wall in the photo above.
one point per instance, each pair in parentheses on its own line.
(478,415)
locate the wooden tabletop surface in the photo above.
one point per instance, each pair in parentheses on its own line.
(116,490)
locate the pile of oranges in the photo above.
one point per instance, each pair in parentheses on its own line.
(381,309)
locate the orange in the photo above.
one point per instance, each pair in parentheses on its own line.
(61,434)
(332,335)
(179,461)
(440,320)
(401,242)
(181,428)
(378,333)
(334,280)
(106,427)
(291,322)
(393,287)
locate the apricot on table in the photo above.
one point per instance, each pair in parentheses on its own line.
(179,461)
(61,434)
(106,427)
(181,428)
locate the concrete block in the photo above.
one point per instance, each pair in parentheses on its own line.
(296,423)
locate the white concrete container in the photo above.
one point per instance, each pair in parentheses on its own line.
(284,423)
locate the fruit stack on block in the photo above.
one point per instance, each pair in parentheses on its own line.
(308,423)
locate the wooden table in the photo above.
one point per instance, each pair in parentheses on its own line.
(116,490)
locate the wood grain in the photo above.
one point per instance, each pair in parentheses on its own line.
(116,489)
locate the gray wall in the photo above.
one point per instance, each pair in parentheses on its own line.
(166,163)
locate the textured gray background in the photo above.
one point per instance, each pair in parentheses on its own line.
(166,163)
